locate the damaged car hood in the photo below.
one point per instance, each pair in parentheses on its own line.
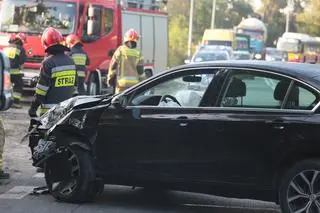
(56,113)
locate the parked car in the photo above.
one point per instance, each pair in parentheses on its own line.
(246,129)
(210,53)
(241,55)
(272,54)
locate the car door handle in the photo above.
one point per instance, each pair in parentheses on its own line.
(279,127)
(276,124)
(184,122)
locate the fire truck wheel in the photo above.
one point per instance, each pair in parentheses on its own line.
(70,176)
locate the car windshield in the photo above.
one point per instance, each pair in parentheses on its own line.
(34,16)
(210,56)
(288,46)
(242,44)
(221,43)
(253,34)
(274,52)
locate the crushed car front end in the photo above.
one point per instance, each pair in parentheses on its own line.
(47,134)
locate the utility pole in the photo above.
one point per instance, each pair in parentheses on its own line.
(287,21)
(213,13)
(190,27)
(289,9)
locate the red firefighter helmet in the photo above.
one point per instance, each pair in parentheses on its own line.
(131,35)
(22,37)
(12,37)
(72,40)
(51,37)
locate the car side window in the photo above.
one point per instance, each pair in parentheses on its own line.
(180,91)
(107,20)
(253,89)
(301,97)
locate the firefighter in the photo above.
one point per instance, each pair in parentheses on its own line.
(126,67)
(80,59)
(57,74)
(17,56)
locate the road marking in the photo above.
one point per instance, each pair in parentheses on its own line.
(38,175)
(17,192)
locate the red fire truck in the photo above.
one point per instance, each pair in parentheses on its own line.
(99,23)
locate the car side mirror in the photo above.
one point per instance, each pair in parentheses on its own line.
(90,27)
(119,102)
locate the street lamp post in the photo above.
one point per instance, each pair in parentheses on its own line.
(213,13)
(190,27)
(287,21)
(287,11)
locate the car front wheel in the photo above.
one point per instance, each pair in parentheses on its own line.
(299,191)
(70,176)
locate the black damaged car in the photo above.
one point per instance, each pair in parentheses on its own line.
(236,129)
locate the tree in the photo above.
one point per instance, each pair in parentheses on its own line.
(178,37)
(309,20)
(273,18)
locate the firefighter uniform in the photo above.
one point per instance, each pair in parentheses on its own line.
(57,74)
(81,60)
(17,57)
(57,81)
(127,60)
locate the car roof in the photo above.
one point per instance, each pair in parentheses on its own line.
(309,73)
(212,51)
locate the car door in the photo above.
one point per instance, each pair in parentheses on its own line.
(147,138)
(245,128)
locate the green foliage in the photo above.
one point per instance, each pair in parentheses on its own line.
(309,20)
(178,36)
(273,18)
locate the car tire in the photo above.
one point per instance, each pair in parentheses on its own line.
(71,177)
(300,188)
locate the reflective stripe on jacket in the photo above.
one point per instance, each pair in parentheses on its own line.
(127,61)
(57,80)
(17,57)
(80,59)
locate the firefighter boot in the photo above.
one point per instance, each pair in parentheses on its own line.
(17,102)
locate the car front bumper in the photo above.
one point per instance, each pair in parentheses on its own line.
(30,78)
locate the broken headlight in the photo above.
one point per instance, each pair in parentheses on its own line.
(50,118)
